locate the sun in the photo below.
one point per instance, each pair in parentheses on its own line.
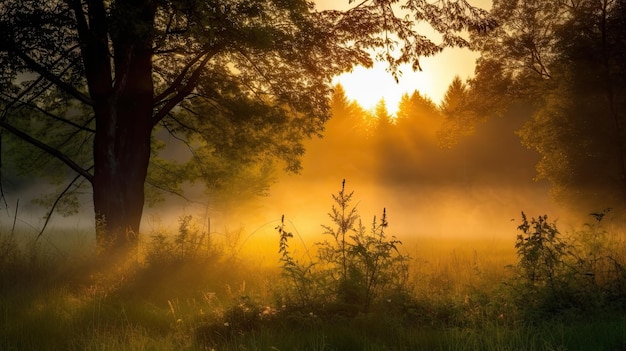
(368,86)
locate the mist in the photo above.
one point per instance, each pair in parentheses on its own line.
(476,189)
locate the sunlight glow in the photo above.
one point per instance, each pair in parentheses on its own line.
(368,86)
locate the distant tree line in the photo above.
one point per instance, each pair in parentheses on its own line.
(560,68)
(423,145)
(564,61)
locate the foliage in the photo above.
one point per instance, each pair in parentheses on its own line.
(337,252)
(411,135)
(564,60)
(354,269)
(557,277)
(52,301)
(541,252)
(237,84)
(459,119)
(418,118)
(379,263)
(299,274)
(189,244)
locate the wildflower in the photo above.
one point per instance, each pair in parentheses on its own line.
(266,311)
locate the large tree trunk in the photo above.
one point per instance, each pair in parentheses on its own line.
(123,111)
(122,141)
(121,156)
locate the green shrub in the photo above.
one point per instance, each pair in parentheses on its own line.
(583,273)
(355,268)
(541,252)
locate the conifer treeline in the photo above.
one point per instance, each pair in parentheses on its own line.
(423,144)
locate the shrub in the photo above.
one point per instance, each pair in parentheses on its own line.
(554,276)
(354,269)
(541,252)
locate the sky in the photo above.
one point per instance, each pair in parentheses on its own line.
(368,86)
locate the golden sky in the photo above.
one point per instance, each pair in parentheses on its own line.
(368,86)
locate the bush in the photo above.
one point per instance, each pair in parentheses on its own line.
(582,273)
(355,268)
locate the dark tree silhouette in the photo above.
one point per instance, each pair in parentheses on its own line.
(102,77)
(565,59)
(459,118)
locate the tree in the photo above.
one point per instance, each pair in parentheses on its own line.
(459,118)
(579,129)
(384,121)
(383,133)
(565,59)
(102,78)
(417,121)
(347,124)
(344,137)
(417,111)
(409,143)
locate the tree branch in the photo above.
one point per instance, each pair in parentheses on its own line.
(47,113)
(32,64)
(178,81)
(56,202)
(185,90)
(49,149)
(166,190)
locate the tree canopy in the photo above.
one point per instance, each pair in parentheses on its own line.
(565,59)
(95,83)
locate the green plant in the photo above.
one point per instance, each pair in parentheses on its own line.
(599,262)
(577,275)
(541,252)
(377,261)
(354,268)
(190,243)
(337,255)
(299,275)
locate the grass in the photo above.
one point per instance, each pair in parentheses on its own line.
(462,297)
(607,335)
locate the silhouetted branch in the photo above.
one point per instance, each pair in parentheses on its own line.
(56,202)
(32,64)
(183,91)
(51,115)
(179,80)
(49,149)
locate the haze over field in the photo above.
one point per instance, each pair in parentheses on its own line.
(232,176)
(475,189)
(439,173)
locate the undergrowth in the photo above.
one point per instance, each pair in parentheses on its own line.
(358,289)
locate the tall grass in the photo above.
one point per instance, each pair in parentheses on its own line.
(188,290)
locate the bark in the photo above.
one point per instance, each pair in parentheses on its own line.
(610,95)
(122,141)
(121,157)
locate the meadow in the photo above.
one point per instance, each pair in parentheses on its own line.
(356,287)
